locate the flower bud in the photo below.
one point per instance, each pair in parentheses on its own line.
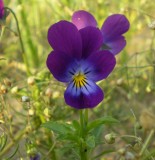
(56,94)
(25,99)
(119,81)
(48,92)
(47,112)
(138,125)
(28,129)
(148,89)
(152,25)
(147,119)
(31,112)
(31,81)
(110,138)
(3,89)
(136,89)
(1,9)
(122,151)
(7,82)
(10,117)
(14,90)
(137,146)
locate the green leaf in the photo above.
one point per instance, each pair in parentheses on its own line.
(69,137)
(97,132)
(101,121)
(90,141)
(12,155)
(58,127)
(76,125)
(149,155)
(3,140)
(104,153)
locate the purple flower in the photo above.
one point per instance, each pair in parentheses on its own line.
(1,9)
(112,29)
(36,157)
(77,61)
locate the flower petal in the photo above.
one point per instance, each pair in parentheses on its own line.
(59,64)
(92,40)
(83,19)
(1,9)
(85,97)
(101,65)
(115,25)
(116,45)
(64,37)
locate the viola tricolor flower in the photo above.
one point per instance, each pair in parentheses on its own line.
(112,29)
(1,9)
(77,60)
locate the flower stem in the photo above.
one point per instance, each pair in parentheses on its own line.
(2,31)
(147,142)
(83,123)
(20,39)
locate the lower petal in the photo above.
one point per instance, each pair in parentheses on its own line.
(87,96)
(100,65)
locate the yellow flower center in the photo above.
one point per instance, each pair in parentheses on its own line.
(79,80)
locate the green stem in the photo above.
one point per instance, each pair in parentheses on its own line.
(146,142)
(12,143)
(2,31)
(83,123)
(50,150)
(153,59)
(20,39)
(33,53)
(86,117)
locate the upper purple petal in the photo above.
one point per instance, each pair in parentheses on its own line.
(80,98)
(83,19)
(59,63)
(91,40)
(64,37)
(1,9)
(116,45)
(101,65)
(114,26)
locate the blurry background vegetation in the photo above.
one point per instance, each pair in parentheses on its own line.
(129,90)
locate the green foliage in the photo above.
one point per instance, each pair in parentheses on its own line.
(13,154)
(3,141)
(90,141)
(58,127)
(74,132)
(98,122)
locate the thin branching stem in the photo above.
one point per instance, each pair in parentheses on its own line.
(147,142)
(20,39)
